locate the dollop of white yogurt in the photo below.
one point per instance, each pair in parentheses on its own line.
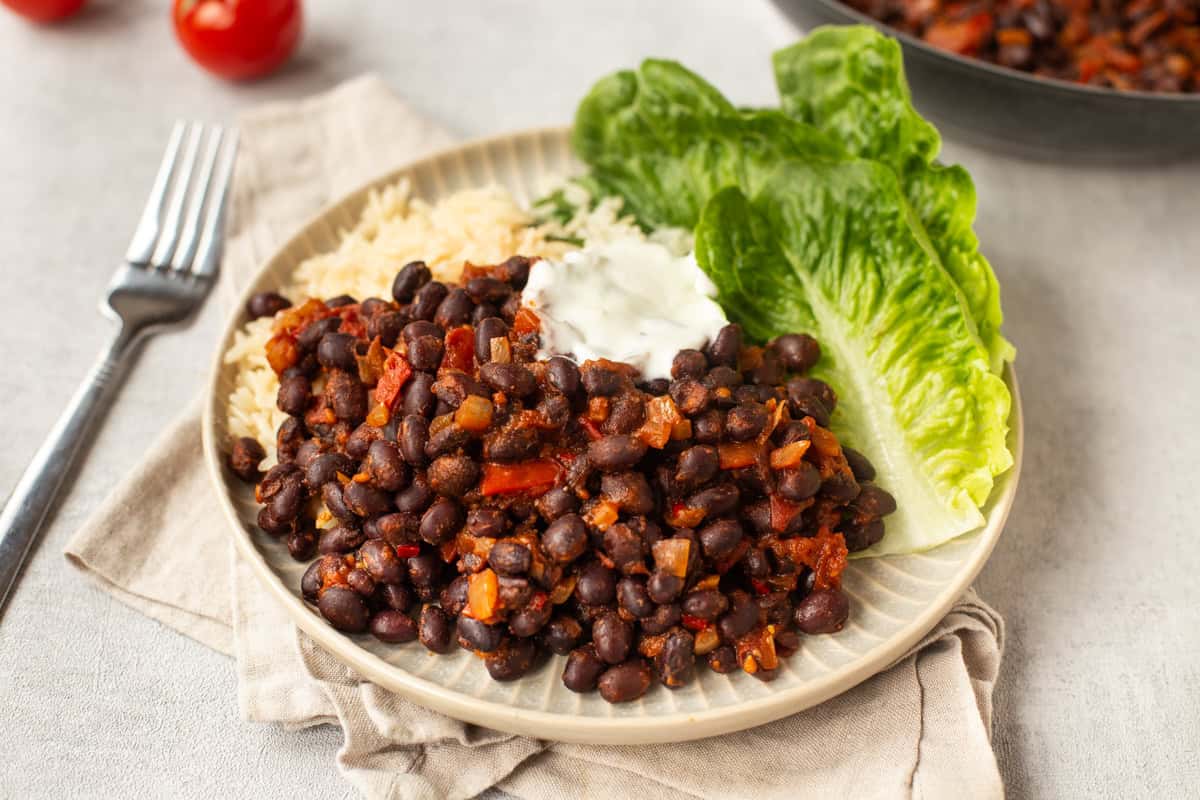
(628,300)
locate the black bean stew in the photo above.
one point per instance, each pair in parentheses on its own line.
(455,490)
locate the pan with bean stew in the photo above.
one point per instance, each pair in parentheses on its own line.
(451,488)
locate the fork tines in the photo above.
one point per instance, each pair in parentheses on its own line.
(180,228)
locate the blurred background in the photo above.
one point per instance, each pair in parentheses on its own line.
(1096,259)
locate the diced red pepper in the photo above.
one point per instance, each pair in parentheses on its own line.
(694,623)
(759,586)
(590,428)
(525,322)
(460,349)
(351,321)
(536,475)
(783,511)
(396,371)
(408,550)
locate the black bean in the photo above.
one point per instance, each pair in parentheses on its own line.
(531,619)
(811,387)
(294,394)
(381,562)
(708,427)
(874,501)
(741,618)
(512,379)
(688,364)
(393,627)
(809,406)
(601,381)
(441,521)
(664,618)
(624,682)
(365,500)
(799,483)
(433,630)
(453,476)
(657,387)
(625,547)
(633,598)
(448,439)
(514,592)
(359,441)
(511,444)
(301,544)
(396,596)
(861,536)
(310,584)
(417,497)
(386,467)
(565,539)
(626,414)
(664,587)
(311,335)
(719,539)
(455,310)
(860,465)
(840,487)
(288,439)
(556,502)
(423,568)
(452,387)
(483,311)
(266,304)
(476,635)
(414,433)
(455,596)
(583,669)
(331,495)
(427,299)
(245,457)
(746,421)
(616,453)
(629,490)
(488,521)
(697,464)
(755,564)
(725,346)
(676,661)
(823,611)
(485,331)
(514,271)
(561,634)
(340,539)
(360,581)
(409,279)
(344,608)
(347,396)
(715,500)
(555,411)
(563,375)
(798,352)
(337,350)
(690,396)
(418,396)
(766,375)
(723,659)
(723,377)
(483,289)
(285,504)
(510,558)
(613,638)
(597,584)
(386,326)
(705,604)
(425,353)
(514,658)
(775,608)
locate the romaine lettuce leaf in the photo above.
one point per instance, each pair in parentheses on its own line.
(840,259)
(849,82)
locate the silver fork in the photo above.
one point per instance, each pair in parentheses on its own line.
(169,268)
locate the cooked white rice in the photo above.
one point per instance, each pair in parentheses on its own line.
(480,226)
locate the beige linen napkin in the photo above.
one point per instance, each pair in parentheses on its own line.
(920,729)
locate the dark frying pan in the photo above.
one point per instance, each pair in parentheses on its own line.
(1018,111)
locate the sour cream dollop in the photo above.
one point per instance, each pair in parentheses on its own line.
(627,300)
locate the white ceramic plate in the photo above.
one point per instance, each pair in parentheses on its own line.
(895,600)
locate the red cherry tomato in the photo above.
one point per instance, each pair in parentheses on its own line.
(44,10)
(238,39)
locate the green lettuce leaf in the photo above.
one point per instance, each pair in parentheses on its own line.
(849,82)
(829,248)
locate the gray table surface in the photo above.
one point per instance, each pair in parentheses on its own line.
(1096,574)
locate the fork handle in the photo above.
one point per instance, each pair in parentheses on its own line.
(27,506)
